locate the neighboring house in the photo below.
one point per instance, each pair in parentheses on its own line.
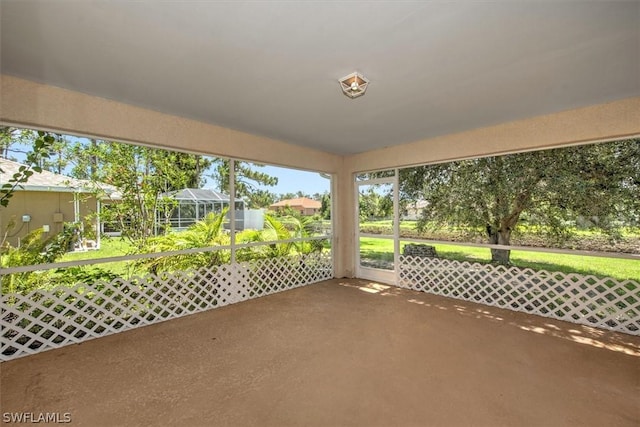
(413,211)
(303,205)
(48,200)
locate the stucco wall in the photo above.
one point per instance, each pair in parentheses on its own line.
(41,206)
(613,120)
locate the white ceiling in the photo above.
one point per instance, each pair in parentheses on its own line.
(271,67)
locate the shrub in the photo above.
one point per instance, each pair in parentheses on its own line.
(34,250)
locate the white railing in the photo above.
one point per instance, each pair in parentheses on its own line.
(45,319)
(599,302)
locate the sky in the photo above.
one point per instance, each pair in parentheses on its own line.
(292,181)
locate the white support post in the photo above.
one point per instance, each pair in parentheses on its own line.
(76,208)
(98,225)
(396,226)
(232,208)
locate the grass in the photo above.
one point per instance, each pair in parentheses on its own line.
(109,247)
(621,269)
(404,224)
(382,249)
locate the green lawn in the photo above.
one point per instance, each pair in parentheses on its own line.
(382,249)
(621,269)
(109,247)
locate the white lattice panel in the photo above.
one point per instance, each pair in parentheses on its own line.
(603,303)
(42,320)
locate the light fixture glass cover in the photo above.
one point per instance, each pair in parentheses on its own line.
(354,85)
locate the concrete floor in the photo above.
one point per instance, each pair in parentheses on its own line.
(339,353)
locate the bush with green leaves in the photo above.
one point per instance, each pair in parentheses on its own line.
(81,274)
(34,249)
(206,233)
(211,232)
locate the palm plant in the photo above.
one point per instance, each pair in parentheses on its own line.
(274,230)
(206,233)
(210,232)
(303,226)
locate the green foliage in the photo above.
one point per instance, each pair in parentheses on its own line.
(210,232)
(283,212)
(109,247)
(257,199)
(81,274)
(11,136)
(206,233)
(141,175)
(88,159)
(372,204)
(34,249)
(598,184)
(274,229)
(58,158)
(246,178)
(40,151)
(325,206)
(620,269)
(297,195)
(294,226)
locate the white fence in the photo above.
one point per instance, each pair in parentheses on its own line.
(47,319)
(603,303)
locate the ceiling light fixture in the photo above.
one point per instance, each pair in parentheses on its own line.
(354,85)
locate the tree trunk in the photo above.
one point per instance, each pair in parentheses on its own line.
(501,256)
(500,236)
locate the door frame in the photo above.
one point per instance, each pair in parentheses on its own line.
(371,273)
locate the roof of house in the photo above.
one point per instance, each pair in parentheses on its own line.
(303,202)
(420,204)
(50,181)
(197,194)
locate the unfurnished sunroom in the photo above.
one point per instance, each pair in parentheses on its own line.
(386,102)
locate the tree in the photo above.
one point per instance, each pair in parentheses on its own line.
(87,159)
(178,170)
(599,183)
(373,204)
(287,196)
(142,175)
(184,170)
(31,165)
(260,199)
(10,136)
(58,158)
(247,179)
(325,206)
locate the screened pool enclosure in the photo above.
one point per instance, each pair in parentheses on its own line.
(182,208)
